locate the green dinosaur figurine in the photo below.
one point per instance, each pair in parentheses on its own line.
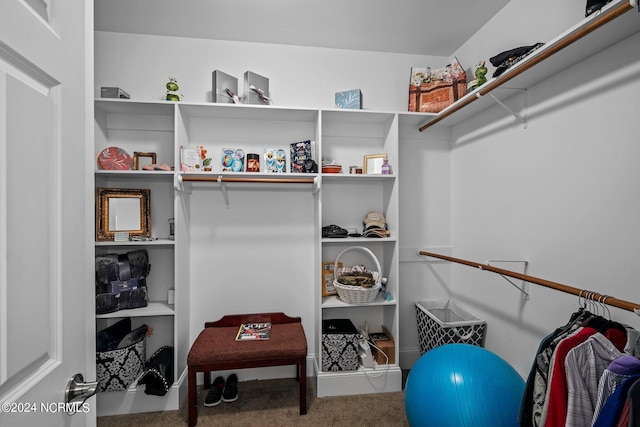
(172,90)
(481,77)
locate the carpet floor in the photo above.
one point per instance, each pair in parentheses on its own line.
(268,403)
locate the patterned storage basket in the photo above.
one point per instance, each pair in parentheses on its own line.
(339,345)
(444,322)
(120,355)
(357,294)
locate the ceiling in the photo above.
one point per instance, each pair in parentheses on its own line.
(423,27)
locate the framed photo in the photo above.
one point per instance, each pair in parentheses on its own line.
(120,210)
(327,278)
(136,159)
(373,163)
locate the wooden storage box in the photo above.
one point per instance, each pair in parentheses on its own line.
(431,91)
(384,341)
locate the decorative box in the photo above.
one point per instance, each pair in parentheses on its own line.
(351,99)
(431,91)
(120,355)
(261,84)
(384,341)
(339,345)
(113,92)
(222,82)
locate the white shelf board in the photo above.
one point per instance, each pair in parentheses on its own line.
(136,174)
(381,379)
(130,106)
(248,112)
(134,400)
(159,242)
(357,177)
(334,302)
(155,308)
(351,240)
(357,116)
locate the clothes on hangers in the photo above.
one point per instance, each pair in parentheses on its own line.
(634,405)
(554,412)
(536,384)
(617,373)
(611,411)
(584,365)
(562,386)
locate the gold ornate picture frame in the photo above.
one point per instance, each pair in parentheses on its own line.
(122,210)
(138,154)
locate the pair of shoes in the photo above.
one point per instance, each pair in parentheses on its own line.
(230,393)
(334,231)
(221,391)
(214,397)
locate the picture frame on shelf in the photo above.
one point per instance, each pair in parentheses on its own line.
(122,209)
(327,279)
(136,159)
(373,163)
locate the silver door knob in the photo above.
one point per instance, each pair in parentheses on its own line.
(78,391)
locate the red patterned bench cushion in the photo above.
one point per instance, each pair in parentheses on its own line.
(218,345)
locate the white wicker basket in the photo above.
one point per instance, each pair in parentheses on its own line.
(357,294)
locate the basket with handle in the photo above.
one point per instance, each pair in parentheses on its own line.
(357,294)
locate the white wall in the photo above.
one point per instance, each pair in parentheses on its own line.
(298,76)
(425,219)
(562,194)
(519,23)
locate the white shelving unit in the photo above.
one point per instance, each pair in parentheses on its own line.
(346,137)
(144,127)
(163,128)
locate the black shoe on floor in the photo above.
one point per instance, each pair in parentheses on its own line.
(230,393)
(214,397)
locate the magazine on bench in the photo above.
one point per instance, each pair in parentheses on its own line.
(254,331)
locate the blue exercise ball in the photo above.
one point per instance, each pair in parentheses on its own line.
(462,385)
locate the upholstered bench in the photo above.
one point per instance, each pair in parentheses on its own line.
(216,349)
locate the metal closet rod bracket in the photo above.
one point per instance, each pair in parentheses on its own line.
(526,265)
(223,188)
(178,184)
(504,106)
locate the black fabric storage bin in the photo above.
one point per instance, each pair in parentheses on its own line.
(339,345)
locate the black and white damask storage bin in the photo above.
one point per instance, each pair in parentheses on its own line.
(339,345)
(120,355)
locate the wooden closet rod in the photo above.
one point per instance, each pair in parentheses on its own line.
(605,299)
(597,22)
(219,178)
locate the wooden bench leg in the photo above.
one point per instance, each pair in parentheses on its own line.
(207,380)
(302,374)
(192,400)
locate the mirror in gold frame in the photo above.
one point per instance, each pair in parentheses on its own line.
(122,209)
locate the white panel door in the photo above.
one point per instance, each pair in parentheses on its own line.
(46,220)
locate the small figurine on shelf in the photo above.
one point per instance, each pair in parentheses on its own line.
(386,169)
(172,90)
(481,77)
